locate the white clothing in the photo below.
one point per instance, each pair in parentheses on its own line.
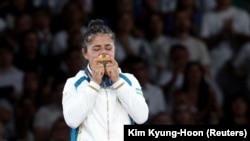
(166,76)
(46,116)
(212,22)
(99,113)
(14,77)
(167,6)
(205,5)
(241,61)
(60,41)
(3,25)
(156,47)
(139,46)
(155,98)
(57,6)
(197,51)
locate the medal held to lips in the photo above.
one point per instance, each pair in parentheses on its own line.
(104,56)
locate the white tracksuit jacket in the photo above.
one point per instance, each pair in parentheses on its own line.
(96,113)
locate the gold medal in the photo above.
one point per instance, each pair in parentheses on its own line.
(103,56)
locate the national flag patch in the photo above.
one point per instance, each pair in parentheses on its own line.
(139,91)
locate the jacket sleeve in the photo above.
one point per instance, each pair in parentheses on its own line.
(77,101)
(131,96)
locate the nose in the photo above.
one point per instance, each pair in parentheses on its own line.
(103,52)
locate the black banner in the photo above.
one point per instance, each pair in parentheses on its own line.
(176,132)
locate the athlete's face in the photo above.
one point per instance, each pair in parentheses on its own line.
(99,44)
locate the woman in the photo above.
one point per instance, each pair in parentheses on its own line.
(199,94)
(100,99)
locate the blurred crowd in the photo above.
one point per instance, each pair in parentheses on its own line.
(191,57)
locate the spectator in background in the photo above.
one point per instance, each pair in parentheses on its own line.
(126,43)
(224,30)
(30,56)
(27,105)
(206,5)
(240,65)
(157,42)
(3,25)
(74,19)
(195,14)
(199,94)
(75,40)
(24,111)
(71,63)
(171,79)
(182,35)
(10,75)
(56,6)
(182,114)
(124,6)
(147,7)
(237,110)
(50,112)
(161,118)
(32,87)
(15,9)
(2,131)
(153,94)
(59,131)
(22,24)
(42,20)
(7,119)
(167,6)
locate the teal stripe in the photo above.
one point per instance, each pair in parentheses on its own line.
(125,78)
(73,134)
(80,80)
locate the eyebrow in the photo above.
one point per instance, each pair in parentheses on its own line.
(110,44)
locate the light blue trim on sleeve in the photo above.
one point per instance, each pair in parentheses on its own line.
(125,78)
(130,84)
(73,134)
(80,80)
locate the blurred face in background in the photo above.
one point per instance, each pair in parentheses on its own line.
(140,71)
(42,20)
(239,106)
(162,119)
(125,23)
(194,74)
(182,114)
(31,82)
(74,61)
(151,5)
(6,57)
(22,24)
(19,4)
(31,43)
(156,24)
(182,22)
(124,6)
(186,3)
(179,57)
(222,3)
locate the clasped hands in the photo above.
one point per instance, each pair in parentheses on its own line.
(104,65)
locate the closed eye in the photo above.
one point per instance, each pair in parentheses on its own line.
(96,48)
(109,48)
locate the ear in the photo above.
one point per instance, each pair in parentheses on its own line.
(84,53)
